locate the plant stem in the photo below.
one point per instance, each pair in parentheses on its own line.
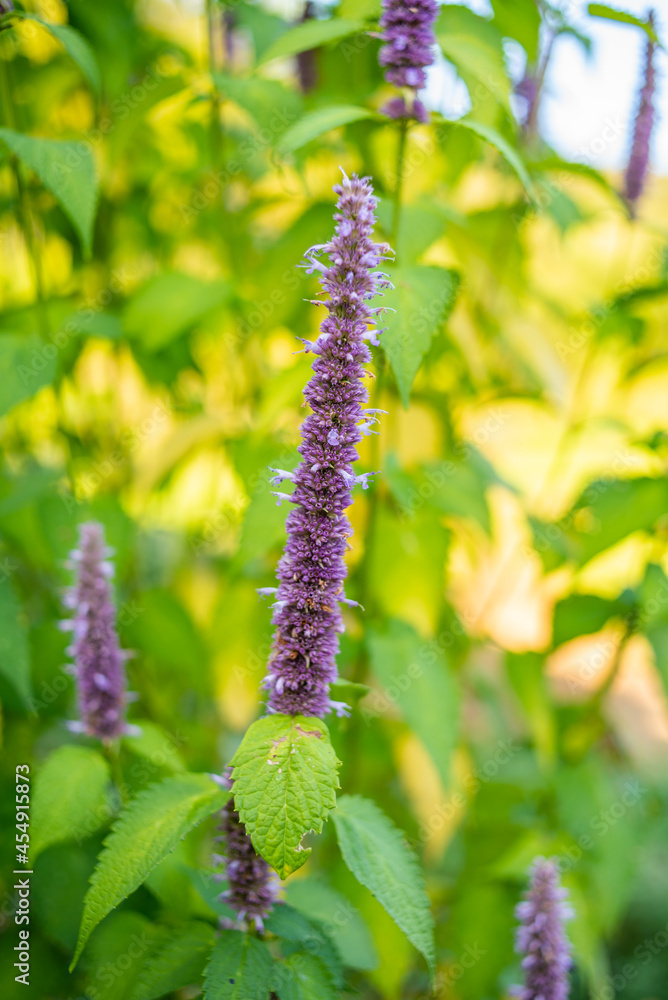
(112,752)
(403,130)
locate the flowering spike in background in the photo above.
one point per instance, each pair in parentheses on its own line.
(408,33)
(98,657)
(541,937)
(636,170)
(252,887)
(311,572)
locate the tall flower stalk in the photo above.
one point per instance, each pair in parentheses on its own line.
(541,937)
(407,28)
(98,657)
(312,570)
(636,170)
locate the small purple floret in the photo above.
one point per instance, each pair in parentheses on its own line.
(98,657)
(541,937)
(311,572)
(252,887)
(408,33)
(638,165)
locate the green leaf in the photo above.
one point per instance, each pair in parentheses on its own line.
(284,786)
(317,123)
(76,47)
(169,305)
(156,746)
(116,955)
(67,170)
(610,509)
(147,831)
(24,368)
(583,614)
(494,138)
(272,105)
(70,797)
(299,933)
(519,19)
(613,14)
(349,692)
(342,922)
(423,298)
(310,35)
(14,651)
(416,677)
(303,977)
(474,46)
(378,856)
(241,968)
(177,962)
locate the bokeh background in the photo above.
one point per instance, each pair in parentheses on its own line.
(513,551)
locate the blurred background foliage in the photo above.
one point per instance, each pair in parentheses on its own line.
(511,557)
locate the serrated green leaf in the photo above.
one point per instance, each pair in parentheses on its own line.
(423,298)
(76,47)
(304,977)
(14,651)
(67,170)
(377,854)
(310,35)
(147,831)
(70,797)
(24,368)
(177,962)
(317,123)
(416,677)
(285,784)
(241,968)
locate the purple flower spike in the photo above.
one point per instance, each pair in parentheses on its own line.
(638,164)
(252,888)
(541,937)
(311,571)
(98,657)
(408,33)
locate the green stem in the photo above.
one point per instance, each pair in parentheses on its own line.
(112,752)
(403,130)
(24,212)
